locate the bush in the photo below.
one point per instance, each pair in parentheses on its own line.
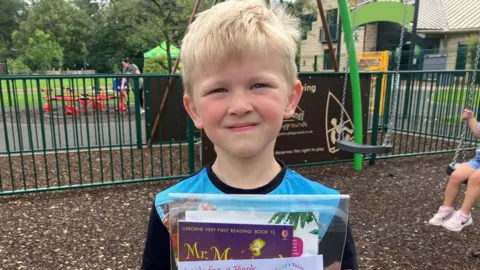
(158,64)
(17,66)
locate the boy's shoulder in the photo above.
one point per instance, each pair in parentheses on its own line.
(296,183)
(197,183)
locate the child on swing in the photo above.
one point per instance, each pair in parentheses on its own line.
(447,216)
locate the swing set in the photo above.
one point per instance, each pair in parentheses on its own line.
(352,71)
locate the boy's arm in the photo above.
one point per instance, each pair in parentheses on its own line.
(334,243)
(157,246)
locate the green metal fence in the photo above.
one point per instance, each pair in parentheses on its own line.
(61,132)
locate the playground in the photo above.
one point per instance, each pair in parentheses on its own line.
(105,228)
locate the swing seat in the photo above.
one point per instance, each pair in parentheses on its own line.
(452,167)
(353,147)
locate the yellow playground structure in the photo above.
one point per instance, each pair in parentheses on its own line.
(375,61)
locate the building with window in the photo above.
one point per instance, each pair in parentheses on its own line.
(443,29)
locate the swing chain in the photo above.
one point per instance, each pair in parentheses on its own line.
(469,106)
(396,87)
(344,92)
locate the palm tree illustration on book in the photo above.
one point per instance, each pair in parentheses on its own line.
(295,218)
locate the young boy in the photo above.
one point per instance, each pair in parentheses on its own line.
(240,82)
(447,216)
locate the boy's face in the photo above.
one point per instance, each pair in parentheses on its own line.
(241,105)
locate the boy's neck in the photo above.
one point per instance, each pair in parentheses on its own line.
(248,173)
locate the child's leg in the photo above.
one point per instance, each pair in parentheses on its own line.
(446,211)
(460,175)
(473,193)
(463,218)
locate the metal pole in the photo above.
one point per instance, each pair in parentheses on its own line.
(165,95)
(327,34)
(339,40)
(354,80)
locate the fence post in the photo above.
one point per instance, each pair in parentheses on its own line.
(138,120)
(191,145)
(376,110)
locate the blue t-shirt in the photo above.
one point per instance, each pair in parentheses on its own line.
(157,251)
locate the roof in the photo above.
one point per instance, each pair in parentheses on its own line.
(449,15)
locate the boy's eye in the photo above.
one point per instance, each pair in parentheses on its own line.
(218,90)
(259,85)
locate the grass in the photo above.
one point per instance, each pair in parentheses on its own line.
(451,119)
(453,96)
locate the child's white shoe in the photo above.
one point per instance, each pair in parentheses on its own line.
(444,213)
(458,222)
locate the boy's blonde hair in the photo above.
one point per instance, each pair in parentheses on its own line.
(235,29)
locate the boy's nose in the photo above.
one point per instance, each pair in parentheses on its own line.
(240,103)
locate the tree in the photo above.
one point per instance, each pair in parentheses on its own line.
(17,66)
(13,11)
(62,21)
(42,52)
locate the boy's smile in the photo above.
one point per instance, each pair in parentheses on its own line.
(241,105)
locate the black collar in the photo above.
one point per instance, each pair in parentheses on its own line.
(269,187)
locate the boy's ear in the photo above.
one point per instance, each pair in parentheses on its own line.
(192,111)
(293,99)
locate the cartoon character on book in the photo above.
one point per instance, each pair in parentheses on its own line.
(256,246)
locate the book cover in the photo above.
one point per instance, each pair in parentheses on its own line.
(207,241)
(299,263)
(306,226)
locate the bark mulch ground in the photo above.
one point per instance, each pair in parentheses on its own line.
(104,228)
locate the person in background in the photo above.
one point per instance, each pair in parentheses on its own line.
(130,68)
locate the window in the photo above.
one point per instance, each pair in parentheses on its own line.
(332,19)
(462,52)
(327,61)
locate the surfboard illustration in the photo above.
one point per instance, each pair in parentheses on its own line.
(332,122)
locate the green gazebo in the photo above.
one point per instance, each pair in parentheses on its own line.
(161,50)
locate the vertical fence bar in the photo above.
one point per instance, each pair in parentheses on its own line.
(99,128)
(148,119)
(119,128)
(376,112)
(430,118)
(104,97)
(62,94)
(34,112)
(72,107)
(29,131)
(132,162)
(89,146)
(42,129)
(179,120)
(386,110)
(7,143)
(77,120)
(10,105)
(19,131)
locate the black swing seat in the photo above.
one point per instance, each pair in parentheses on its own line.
(452,167)
(353,147)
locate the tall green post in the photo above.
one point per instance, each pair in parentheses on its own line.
(354,79)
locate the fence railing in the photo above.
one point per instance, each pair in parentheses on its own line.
(70,131)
